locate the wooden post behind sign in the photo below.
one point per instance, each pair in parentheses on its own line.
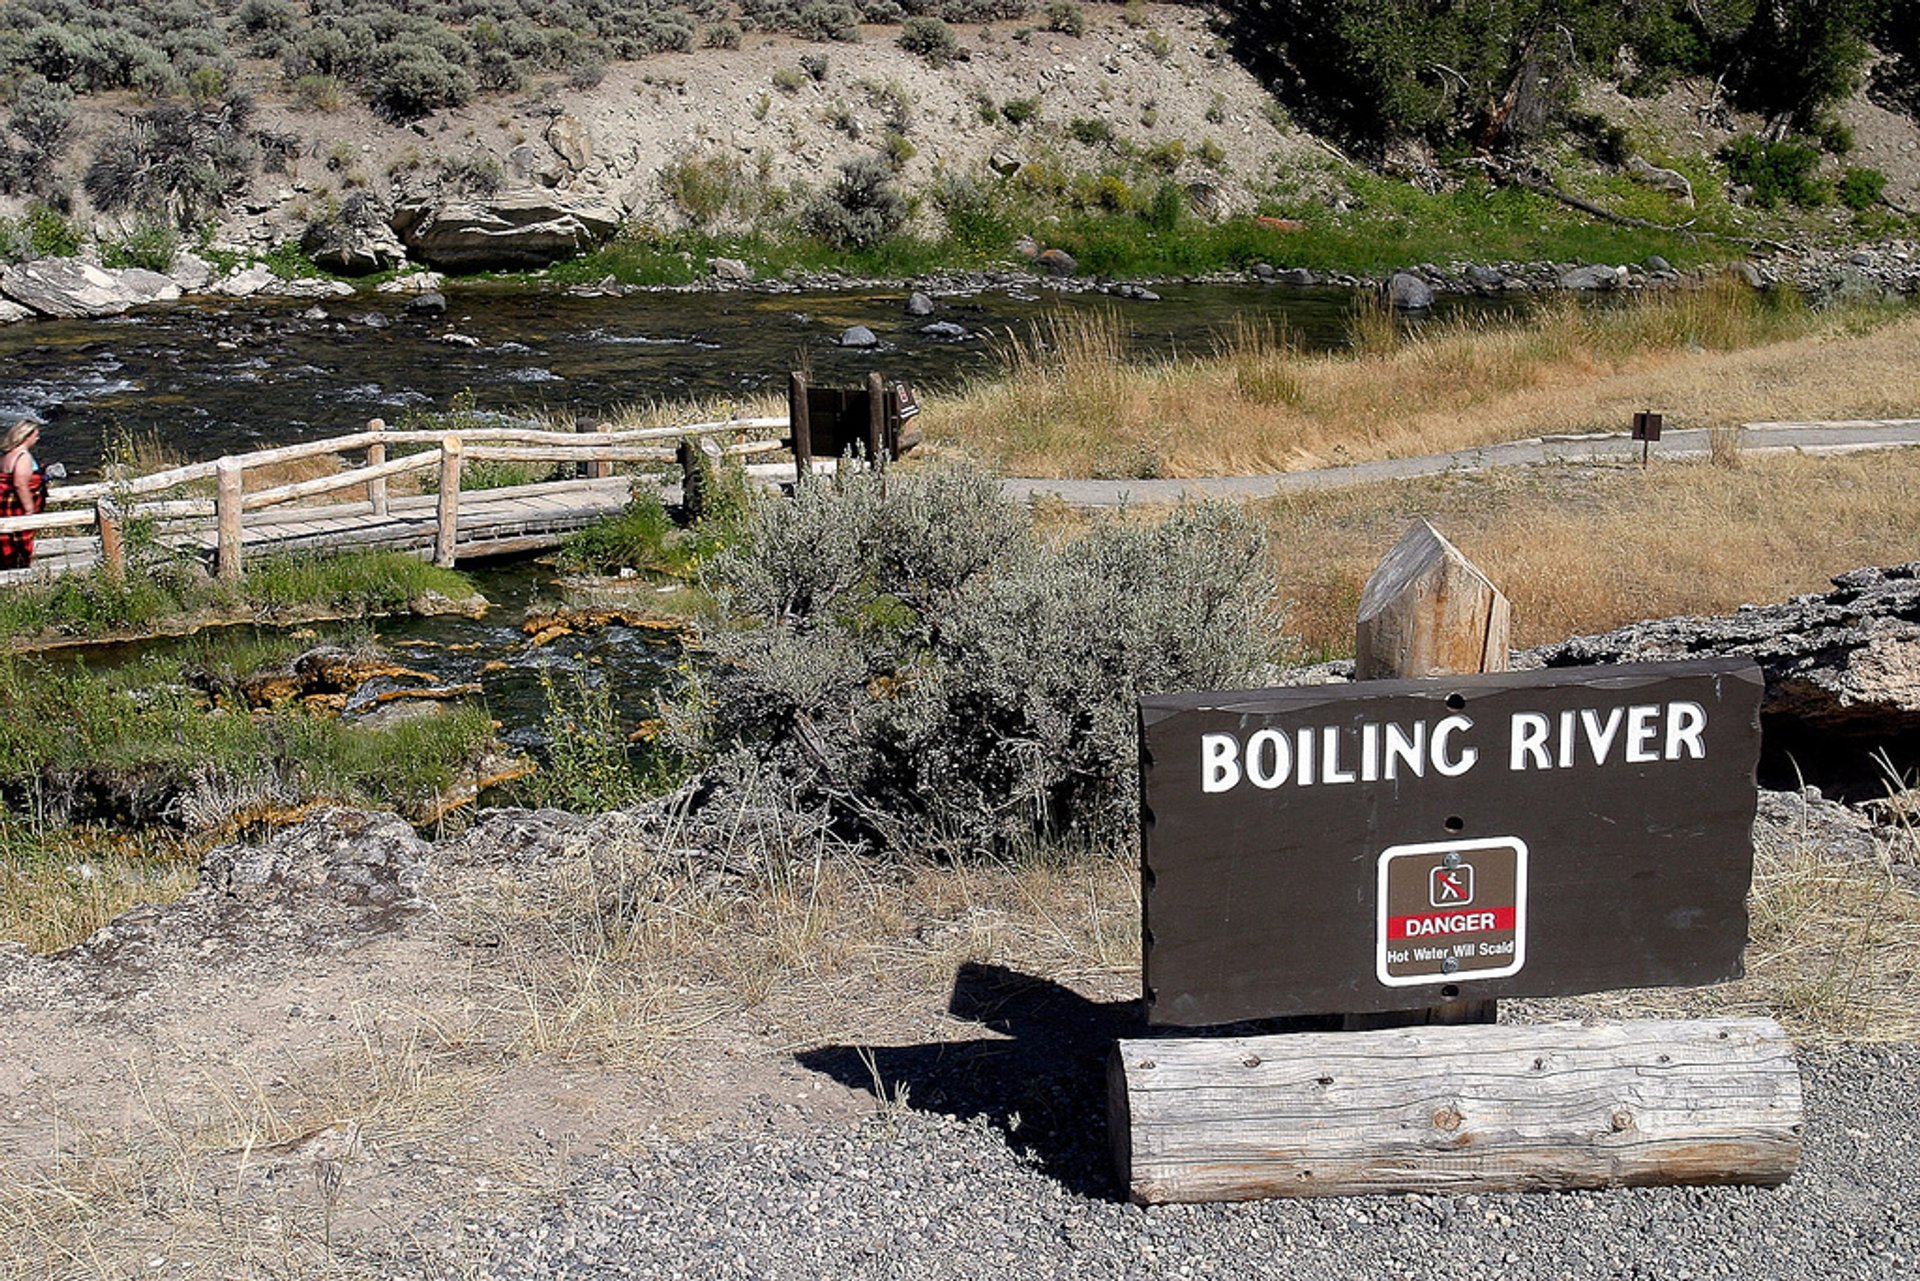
(1429,611)
(876,419)
(1455,1109)
(801,428)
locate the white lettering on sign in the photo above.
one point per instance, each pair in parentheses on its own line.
(1373,752)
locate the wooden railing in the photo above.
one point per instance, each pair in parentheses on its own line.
(106,506)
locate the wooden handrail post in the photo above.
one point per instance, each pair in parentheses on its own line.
(376,455)
(801,428)
(447,515)
(226,508)
(601,468)
(113,550)
(876,419)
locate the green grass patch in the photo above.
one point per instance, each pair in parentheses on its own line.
(163,593)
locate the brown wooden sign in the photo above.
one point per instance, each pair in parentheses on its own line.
(1388,845)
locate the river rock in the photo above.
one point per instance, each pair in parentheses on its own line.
(459,340)
(358,242)
(1481,276)
(1747,272)
(1656,264)
(1056,262)
(919,304)
(1844,662)
(946,331)
(1262,270)
(1299,277)
(69,287)
(1408,292)
(730,269)
(1597,277)
(858,336)
(12,312)
(244,283)
(191,272)
(427,304)
(306,287)
(415,282)
(1139,293)
(526,227)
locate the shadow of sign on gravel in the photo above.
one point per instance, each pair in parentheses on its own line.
(1041,1079)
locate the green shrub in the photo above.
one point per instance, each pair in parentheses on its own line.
(908,652)
(1018,111)
(42,118)
(897,149)
(931,39)
(828,20)
(1776,171)
(172,162)
(1090,131)
(815,65)
(1861,189)
(1167,208)
(788,80)
(721,35)
(151,245)
(415,79)
(1166,156)
(862,209)
(1066,17)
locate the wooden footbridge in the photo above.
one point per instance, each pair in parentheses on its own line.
(348,506)
(352,508)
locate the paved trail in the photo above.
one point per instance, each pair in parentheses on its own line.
(1755,438)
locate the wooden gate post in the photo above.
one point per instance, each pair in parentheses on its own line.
(876,419)
(376,456)
(113,551)
(1429,611)
(228,474)
(447,513)
(601,468)
(800,425)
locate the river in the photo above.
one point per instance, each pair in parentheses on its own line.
(202,379)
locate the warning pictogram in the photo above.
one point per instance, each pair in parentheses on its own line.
(1452,910)
(1450,886)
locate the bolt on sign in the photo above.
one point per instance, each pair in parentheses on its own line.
(1350,849)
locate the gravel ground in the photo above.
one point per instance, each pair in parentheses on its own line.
(964,1190)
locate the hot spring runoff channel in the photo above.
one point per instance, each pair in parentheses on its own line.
(202,380)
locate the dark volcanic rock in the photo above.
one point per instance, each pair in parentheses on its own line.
(1408,292)
(432,304)
(1842,670)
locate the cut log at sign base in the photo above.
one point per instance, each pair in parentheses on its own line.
(1455,1109)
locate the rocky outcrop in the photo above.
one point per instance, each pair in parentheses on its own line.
(527,227)
(358,242)
(1599,277)
(1834,660)
(68,287)
(1842,670)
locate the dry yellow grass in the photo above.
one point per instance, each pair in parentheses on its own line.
(1069,405)
(1584,548)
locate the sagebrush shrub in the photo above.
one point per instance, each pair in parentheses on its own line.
(173,162)
(931,38)
(862,209)
(907,651)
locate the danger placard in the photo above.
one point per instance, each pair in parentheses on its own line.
(1450,910)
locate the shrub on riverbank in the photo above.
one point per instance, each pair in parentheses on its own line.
(907,652)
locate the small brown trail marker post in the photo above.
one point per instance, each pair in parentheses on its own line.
(446,520)
(1429,611)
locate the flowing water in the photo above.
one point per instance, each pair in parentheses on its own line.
(203,379)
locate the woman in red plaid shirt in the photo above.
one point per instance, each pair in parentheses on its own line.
(23,491)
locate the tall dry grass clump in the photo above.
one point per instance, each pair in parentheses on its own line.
(1068,404)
